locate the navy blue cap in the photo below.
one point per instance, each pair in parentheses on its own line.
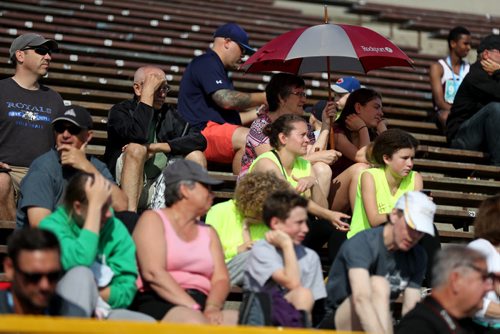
(236,34)
(317,109)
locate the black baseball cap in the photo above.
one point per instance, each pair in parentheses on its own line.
(77,115)
(490,42)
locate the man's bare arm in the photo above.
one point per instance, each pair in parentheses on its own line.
(232,99)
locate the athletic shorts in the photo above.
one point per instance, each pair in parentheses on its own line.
(150,303)
(219,142)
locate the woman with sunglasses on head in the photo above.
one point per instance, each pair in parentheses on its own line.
(288,137)
(487,241)
(285,94)
(90,236)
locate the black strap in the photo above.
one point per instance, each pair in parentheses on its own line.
(281,164)
(437,309)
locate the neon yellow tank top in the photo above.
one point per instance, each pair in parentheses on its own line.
(385,200)
(301,168)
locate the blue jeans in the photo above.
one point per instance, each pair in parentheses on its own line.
(481,132)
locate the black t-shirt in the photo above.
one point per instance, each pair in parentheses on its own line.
(25,122)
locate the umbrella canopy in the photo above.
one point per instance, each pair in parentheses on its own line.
(327,47)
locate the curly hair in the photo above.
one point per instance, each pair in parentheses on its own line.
(252,190)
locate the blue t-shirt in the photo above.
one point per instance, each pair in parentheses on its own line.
(204,76)
(44,184)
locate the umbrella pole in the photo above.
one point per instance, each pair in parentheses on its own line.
(332,138)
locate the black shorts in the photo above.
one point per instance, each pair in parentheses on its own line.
(150,303)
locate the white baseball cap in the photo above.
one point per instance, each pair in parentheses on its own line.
(418,211)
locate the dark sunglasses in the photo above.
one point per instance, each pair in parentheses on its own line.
(42,51)
(60,127)
(34,278)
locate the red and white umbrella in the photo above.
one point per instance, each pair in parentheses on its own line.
(327,47)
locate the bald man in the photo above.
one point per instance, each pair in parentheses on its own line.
(144,134)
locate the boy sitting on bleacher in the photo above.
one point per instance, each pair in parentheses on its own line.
(281,266)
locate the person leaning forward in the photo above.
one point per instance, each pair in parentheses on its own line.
(209,102)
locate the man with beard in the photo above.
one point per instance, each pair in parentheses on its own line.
(33,267)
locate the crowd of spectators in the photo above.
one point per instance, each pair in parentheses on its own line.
(127,238)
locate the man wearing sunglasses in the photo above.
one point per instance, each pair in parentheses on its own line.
(144,135)
(209,102)
(35,287)
(44,185)
(460,281)
(26,110)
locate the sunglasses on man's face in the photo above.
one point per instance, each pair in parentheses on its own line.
(41,50)
(60,127)
(34,278)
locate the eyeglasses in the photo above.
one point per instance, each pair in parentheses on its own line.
(165,89)
(60,127)
(485,276)
(41,50)
(34,278)
(299,94)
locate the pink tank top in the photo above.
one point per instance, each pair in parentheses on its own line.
(190,263)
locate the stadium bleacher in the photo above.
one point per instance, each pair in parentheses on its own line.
(103,42)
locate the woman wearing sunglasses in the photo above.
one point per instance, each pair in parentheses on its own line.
(90,236)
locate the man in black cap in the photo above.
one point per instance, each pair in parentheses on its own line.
(44,185)
(26,110)
(474,119)
(208,101)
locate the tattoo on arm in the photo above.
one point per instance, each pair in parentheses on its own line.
(231,99)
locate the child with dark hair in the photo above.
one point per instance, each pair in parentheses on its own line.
(281,266)
(92,237)
(379,188)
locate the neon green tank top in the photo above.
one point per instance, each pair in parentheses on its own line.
(385,200)
(301,168)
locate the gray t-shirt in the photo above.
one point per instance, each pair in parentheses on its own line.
(45,183)
(265,259)
(367,250)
